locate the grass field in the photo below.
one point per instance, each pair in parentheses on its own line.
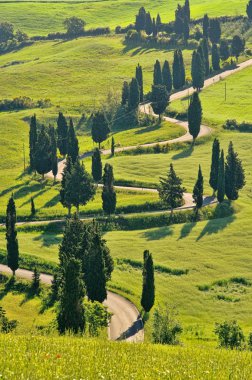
(49,16)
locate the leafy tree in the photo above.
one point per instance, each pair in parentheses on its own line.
(140,19)
(6,31)
(148,291)
(171,190)
(71,316)
(43,156)
(64,182)
(35,280)
(221,179)
(96,165)
(139,78)
(165,326)
(167,77)
(159,99)
(206,25)
(97,317)
(237,46)
(213,181)
(198,71)
(157,75)
(148,24)
(234,174)
(74,26)
(125,93)
(112,146)
(134,95)
(54,158)
(33,141)
(194,116)
(11,236)
(198,190)
(224,50)
(100,128)
(62,133)
(204,45)
(215,57)
(249,9)
(33,209)
(230,335)
(214,30)
(108,192)
(72,143)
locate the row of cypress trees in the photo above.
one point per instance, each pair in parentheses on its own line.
(144,22)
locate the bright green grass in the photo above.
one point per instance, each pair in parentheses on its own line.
(75,358)
(41,18)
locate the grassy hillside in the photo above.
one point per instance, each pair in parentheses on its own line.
(49,16)
(37,358)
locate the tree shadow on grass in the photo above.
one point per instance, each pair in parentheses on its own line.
(52,202)
(12,189)
(17,287)
(38,194)
(186,230)
(158,233)
(48,238)
(147,129)
(184,154)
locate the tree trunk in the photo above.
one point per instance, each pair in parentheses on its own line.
(159,117)
(69,211)
(14,272)
(77,210)
(43,176)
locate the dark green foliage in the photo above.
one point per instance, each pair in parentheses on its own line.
(158,22)
(33,209)
(204,45)
(214,30)
(72,143)
(66,171)
(250,341)
(43,156)
(35,280)
(11,236)
(237,46)
(6,326)
(171,189)
(186,28)
(234,174)
(198,190)
(167,77)
(179,20)
(134,95)
(53,144)
(157,74)
(165,326)
(206,25)
(148,291)
(230,335)
(159,99)
(100,128)
(215,57)
(198,70)
(140,19)
(224,50)
(154,28)
(194,115)
(62,133)
(139,78)
(187,11)
(125,93)
(178,70)
(148,24)
(213,181)
(97,317)
(249,9)
(108,192)
(74,26)
(33,141)
(70,246)
(71,315)
(112,146)
(6,31)
(96,165)
(221,179)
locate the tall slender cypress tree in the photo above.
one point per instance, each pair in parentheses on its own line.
(206,26)
(234,174)
(181,68)
(43,155)
(65,174)
(204,44)
(215,57)
(221,179)
(33,141)
(154,28)
(187,11)
(214,30)
(62,133)
(157,75)
(139,78)
(140,19)
(96,165)
(176,71)
(148,291)
(167,77)
(125,93)
(249,9)
(54,158)
(108,192)
(112,146)
(198,190)
(213,181)
(100,128)
(198,70)
(148,24)
(134,95)
(72,143)
(11,236)
(194,116)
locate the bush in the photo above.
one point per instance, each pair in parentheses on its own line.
(6,325)
(22,103)
(97,317)
(233,125)
(165,326)
(230,335)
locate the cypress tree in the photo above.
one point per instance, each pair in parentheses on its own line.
(204,45)
(33,210)
(54,158)
(194,116)
(234,174)
(62,133)
(215,58)
(71,315)
(108,192)
(198,70)
(157,75)
(125,93)
(187,11)
(140,19)
(11,236)
(186,29)
(237,46)
(148,291)
(206,26)
(158,22)
(70,246)
(66,172)
(100,128)
(179,20)
(198,190)
(72,143)
(134,95)
(139,78)
(167,77)
(213,181)
(171,190)
(112,146)
(33,141)
(96,165)
(181,68)
(159,99)
(35,280)
(148,24)
(249,9)
(224,50)
(43,156)
(214,30)
(154,28)
(176,71)
(221,179)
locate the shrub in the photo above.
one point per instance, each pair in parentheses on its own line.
(165,326)
(230,335)
(6,325)
(250,341)
(97,317)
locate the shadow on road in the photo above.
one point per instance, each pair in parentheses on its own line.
(132,330)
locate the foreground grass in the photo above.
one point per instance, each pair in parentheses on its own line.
(75,358)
